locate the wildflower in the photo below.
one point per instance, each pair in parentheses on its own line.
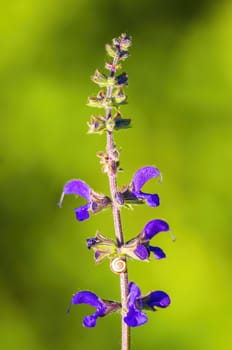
(133,194)
(95,201)
(135,317)
(103,307)
(139,248)
(155,299)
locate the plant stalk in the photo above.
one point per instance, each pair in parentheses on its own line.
(112,174)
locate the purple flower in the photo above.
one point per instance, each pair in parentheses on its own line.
(103,307)
(155,299)
(139,247)
(141,176)
(150,230)
(135,317)
(133,194)
(153,227)
(95,201)
(135,304)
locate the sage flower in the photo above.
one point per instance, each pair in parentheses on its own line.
(133,193)
(95,201)
(135,317)
(139,248)
(103,307)
(135,304)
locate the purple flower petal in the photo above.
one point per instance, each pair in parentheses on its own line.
(77,187)
(141,252)
(151,199)
(90,321)
(91,242)
(95,201)
(82,213)
(158,252)
(157,298)
(139,179)
(142,175)
(135,318)
(87,297)
(97,255)
(155,226)
(134,293)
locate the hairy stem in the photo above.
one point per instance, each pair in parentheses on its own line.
(112,174)
(119,237)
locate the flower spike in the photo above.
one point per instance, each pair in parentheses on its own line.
(132,304)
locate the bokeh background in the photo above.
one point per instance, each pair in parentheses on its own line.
(180,100)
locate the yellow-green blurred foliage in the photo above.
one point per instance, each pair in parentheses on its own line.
(180,101)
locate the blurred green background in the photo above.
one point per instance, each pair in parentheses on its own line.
(180,101)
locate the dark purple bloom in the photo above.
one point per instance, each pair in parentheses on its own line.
(150,230)
(135,304)
(86,297)
(156,299)
(79,188)
(139,247)
(103,307)
(135,317)
(141,176)
(158,252)
(142,251)
(133,194)
(153,227)
(95,201)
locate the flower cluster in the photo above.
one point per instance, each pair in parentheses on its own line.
(95,201)
(131,194)
(135,304)
(138,248)
(110,98)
